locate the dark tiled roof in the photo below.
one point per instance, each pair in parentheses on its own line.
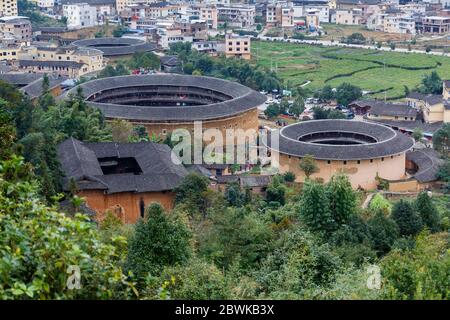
(433,99)
(250,181)
(389,142)
(79,161)
(428,128)
(416,95)
(20,79)
(428,162)
(242,98)
(171,61)
(63,64)
(200,169)
(381,108)
(34,89)
(255,181)
(118,46)
(447,83)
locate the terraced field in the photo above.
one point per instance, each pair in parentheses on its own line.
(380,72)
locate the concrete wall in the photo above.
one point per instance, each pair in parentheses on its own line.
(125,204)
(360,174)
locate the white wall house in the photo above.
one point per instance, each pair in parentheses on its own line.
(80,15)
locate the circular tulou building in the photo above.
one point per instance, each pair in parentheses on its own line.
(165,102)
(116,47)
(359,149)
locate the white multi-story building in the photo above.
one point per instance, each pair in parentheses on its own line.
(240,16)
(45,4)
(80,15)
(399,24)
(301,8)
(8,8)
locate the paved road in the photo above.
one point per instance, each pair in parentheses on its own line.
(328,43)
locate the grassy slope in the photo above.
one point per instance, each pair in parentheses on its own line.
(299,63)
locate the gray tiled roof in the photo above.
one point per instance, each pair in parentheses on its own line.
(79,161)
(64,64)
(382,108)
(389,142)
(428,162)
(242,98)
(427,128)
(20,79)
(35,89)
(433,99)
(118,46)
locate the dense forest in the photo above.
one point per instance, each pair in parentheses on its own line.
(310,241)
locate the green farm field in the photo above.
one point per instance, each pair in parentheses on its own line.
(380,72)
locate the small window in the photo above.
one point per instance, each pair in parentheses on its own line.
(359,161)
(329,162)
(371,160)
(345,162)
(382,159)
(164,131)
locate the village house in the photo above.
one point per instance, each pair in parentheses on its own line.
(122,178)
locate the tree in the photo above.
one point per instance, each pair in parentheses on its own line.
(336,114)
(427,211)
(121,130)
(234,195)
(190,192)
(417,134)
(235,236)
(407,218)
(326,93)
(383,232)
(379,44)
(431,83)
(421,272)
(272,110)
(315,207)
(346,93)
(289,176)
(39,244)
(441,139)
(380,204)
(158,241)
(276,191)
(146,60)
(356,38)
(342,198)
(392,45)
(308,165)
(297,107)
(197,280)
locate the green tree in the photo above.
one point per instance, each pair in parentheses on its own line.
(383,232)
(197,280)
(407,218)
(233,194)
(38,244)
(441,139)
(417,134)
(346,93)
(431,83)
(158,241)
(342,199)
(421,272)
(315,207)
(380,204)
(308,165)
(235,236)
(276,191)
(297,107)
(427,211)
(190,192)
(272,110)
